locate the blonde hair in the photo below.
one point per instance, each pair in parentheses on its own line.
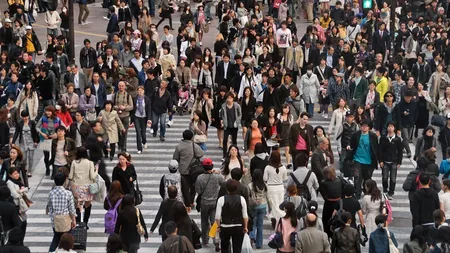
(219,37)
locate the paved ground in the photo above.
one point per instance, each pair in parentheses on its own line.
(153,162)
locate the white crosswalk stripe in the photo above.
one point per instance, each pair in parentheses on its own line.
(150,166)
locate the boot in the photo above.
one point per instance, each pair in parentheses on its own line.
(78,218)
(87,214)
(47,169)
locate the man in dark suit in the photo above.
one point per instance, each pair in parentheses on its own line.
(330,57)
(224,71)
(381,40)
(79,79)
(310,56)
(80,129)
(364,153)
(319,158)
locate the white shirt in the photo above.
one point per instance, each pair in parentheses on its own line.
(307,54)
(271,177)
(76,79)
(444,198)
(225,69)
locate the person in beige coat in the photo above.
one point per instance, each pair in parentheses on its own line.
(28,98)
(111,123)
(293,59)
(82,174)
(312,239)
(204,103)
(183,73)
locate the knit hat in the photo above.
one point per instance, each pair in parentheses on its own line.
(173,166)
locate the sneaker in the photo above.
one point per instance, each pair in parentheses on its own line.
(83,23)
(161,138)
(169,124)
(105,18)
(390,196)
(151,130)
(326,116)
(201,44)
(145,146)
(139,152)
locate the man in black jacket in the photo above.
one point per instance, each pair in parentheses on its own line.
(390,156)
(363,152)
(44,86)
(385,111)
(79,129)
(343,135)
(192,51)
(408,112)
(338,14)
(88,58)
(424,202)
(224,71)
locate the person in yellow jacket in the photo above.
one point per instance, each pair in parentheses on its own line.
(382,82)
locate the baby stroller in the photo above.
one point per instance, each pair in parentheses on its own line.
(184,101)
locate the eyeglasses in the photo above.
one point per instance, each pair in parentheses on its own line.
(388,96)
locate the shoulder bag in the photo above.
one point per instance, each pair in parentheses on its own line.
(139,227)
(276,241)
(195,166)
(137,194)
(62,223)
(392,247)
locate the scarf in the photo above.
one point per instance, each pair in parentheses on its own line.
(16,181)
(428,142)
(140,104)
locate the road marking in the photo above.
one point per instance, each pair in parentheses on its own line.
(79,32)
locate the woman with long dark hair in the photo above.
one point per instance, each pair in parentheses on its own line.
(371,205)
(205,105)
(199,128)
(15,160)
(125,173)
(28,139)
(275,175)
(248,103)
(27,100)
(258,194)
(331,189)
(115,194)
(284,122)
(287,225)
(232,160)
(346,238)
(219,100)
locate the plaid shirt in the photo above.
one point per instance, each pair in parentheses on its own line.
(60,202)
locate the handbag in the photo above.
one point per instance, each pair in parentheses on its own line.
(94,188)
(437,120)
(206,28)
(139,227)
(137,194)
(91,115)
(23,207)
(276,240)
(392,247)
(200,138)
(62,223)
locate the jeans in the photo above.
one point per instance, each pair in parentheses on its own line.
(202,146)
(309,109)
(151,7)
(234,233)
(406,135)
(123,137)
(81,17)
(208,213)
(342,157)
(229,131)
(208,10)
(389,170)
(258,219)
(362,173)
(55,240)
(161,118)
(52,31)
(56,168)
(141,127)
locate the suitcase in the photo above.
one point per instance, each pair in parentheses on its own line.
(80,236)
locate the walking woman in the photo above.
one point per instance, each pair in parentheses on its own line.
(112,124)
(204,104)
(232,160)
(379,239)
(371,205)
(46,127)
(338,116)
(254,135)
(248,105)
(184,223)
(199,128)
(145,20)
(284,123)
(275,175)
(258,194)
(27,100)
(19,194)
(15,160)
(82,174)
(166,11)
(200,22)
(287,225)
(28,139)
(125,173)
(424,105)
(115,194)
(128,221)
(219,100)
(331,191)
(142,118)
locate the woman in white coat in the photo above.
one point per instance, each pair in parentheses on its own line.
(274,176)
(250,80)
(309,88)
(338,116)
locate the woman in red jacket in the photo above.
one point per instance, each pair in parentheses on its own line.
(63,114)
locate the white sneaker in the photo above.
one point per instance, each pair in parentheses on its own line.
(201,44)
(145,145)
(169,124)
(139,152)
(105,18)
(83,23)
(326,116)
(151,130)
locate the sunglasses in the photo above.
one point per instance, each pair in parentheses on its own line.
(388,96)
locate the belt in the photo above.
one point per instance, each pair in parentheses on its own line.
(336,199)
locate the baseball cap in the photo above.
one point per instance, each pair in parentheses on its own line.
(348,113)
(7,20)
(207,164)
(28,27)
(173,166)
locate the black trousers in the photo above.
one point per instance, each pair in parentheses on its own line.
(191,188)
(229,131)
(234,233)
(362,173)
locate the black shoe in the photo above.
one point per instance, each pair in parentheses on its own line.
(154,134)
(47,173)
(408,154)
(274,222)
(111,158)
(162,138)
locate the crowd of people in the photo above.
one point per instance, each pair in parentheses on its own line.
(263,78)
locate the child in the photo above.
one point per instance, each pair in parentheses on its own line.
(183,94)
(324,99)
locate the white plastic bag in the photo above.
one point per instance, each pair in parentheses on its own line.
(246,245)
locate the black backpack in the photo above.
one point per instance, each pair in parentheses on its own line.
(302,209)
(302,188)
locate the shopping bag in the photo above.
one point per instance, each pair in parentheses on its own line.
(213,230)
(246,245)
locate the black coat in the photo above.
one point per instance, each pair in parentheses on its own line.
(165,212)
(380,44)
(257,163)
(95,146)
(381,114)
(10,215)
(354,142)
(423,204)
(113,24)
(124,177)
(390,151)
(19,134)
(318,163)
(143,48)
(85,130)
(88,57)
(126,225)
(223,78)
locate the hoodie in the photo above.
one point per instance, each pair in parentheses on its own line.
(423,204)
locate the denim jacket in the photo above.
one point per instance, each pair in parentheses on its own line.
(379,241)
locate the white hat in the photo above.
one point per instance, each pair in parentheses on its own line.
(7,20)
(173,166)
(28,27)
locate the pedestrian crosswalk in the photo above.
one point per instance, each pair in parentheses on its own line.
(152,164)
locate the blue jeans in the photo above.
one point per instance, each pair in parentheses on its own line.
(310,109)
(258,219)
(202,146)
(208,10)
(161,118)
(151,6)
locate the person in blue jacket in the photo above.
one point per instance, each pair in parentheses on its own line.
(379,239)
(444,168)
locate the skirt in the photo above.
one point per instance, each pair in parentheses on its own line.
(46,145)
(81,193)
(275,194)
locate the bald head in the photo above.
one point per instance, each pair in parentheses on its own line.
(311,220)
